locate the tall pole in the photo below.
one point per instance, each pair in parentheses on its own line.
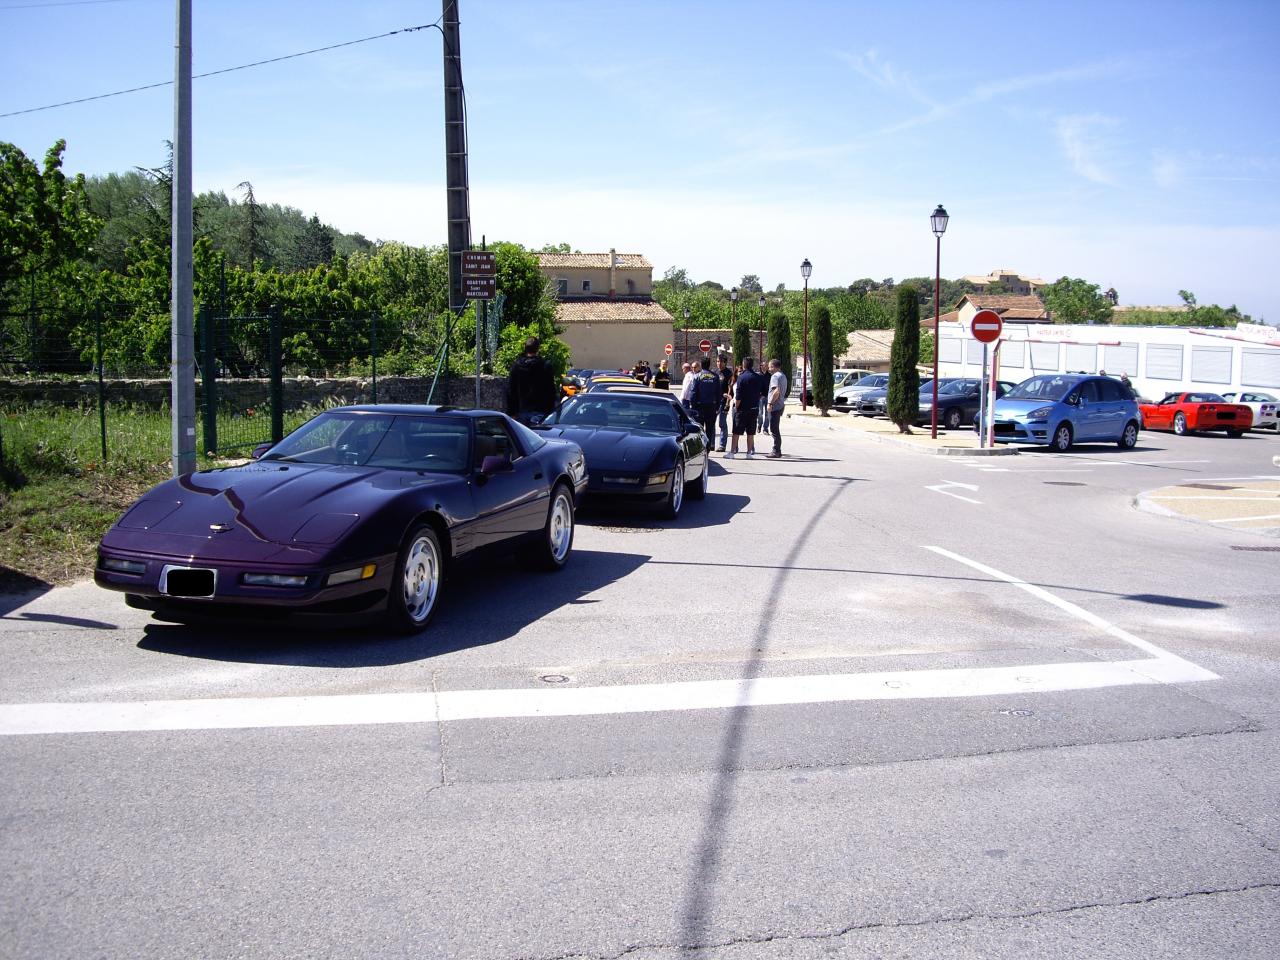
(455,154)
(480,318)
(804,377)
(183,375)
(937,345)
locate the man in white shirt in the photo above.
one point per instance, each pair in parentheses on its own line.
(690,379)
(777,401)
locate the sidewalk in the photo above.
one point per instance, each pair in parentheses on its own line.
(955,443)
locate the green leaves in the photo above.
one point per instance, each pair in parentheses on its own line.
(903,400)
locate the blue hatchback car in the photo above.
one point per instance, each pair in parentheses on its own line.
(1059,409)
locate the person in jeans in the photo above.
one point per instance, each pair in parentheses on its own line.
(776,400)
(747,391)
(531,386)
(725,373)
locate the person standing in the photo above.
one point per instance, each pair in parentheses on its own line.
(661,379)
(531,385)
(692,371)
(747,391)
(725,373)
(776,401)
(706,394)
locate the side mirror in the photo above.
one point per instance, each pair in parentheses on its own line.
(494,464)
(536,418)
(259,450)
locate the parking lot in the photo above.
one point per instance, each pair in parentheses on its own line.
(862,701)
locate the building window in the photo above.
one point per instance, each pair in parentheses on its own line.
(586,286)
(562,287)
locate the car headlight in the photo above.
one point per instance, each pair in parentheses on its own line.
(350,576)
(656,478)
(123,566)
(274,580)
(1040,413)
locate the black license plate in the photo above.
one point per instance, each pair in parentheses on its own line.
(189,583)
(1004,428)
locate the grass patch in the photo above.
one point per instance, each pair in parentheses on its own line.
(58,495)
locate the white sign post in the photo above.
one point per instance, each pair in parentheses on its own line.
(985,327)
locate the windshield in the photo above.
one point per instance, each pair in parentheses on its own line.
(956,386)
(378,440)
(628,412)
(868,381)
(1048,387)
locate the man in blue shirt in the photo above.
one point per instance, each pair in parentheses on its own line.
(748,390)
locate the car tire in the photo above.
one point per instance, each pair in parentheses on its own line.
(1129,436)
(1235,433)
(416,582)
(675,496)
(697,489)
(552,548)
(952,418)
(1180,424)
(1062,437)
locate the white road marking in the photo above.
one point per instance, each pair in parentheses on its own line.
(458,705)
(1067,606)
(942,488)
(1269,516)
(1223,497)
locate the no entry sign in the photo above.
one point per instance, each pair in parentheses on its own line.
(986,326)
(667,349)
(704,346)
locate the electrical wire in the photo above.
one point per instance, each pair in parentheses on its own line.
(215,73)
(56,3)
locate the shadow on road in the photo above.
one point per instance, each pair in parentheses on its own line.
(18,589)
(715,510)
(482,604)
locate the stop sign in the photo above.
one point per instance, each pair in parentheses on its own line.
(704,346)
(986,326)
(667,349)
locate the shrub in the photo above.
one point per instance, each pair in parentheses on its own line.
(903,400)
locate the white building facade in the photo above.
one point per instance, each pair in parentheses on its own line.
(1158,360)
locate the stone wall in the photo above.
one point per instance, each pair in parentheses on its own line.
(239,394)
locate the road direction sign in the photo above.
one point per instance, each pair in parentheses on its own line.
(668,349)
(478,263)
(704,346)
(986,326)
(479,288)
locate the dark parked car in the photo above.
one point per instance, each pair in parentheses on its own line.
(360,509)
(640,446)
(958,400)
(875,403)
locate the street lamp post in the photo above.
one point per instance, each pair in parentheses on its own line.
(760,327)
(684,350)
(806,268)
(939,221)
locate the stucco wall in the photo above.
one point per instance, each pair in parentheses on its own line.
(607,345)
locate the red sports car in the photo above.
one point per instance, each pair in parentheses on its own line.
(1189,412)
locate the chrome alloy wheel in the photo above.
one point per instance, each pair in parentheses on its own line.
(421,578)
(560,527)
(677,488)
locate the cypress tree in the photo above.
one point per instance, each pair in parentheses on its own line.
(741,341)
(823,365)
(903,401)
(778,345)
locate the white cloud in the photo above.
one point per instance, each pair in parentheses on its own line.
(1086,141)
(1167,170)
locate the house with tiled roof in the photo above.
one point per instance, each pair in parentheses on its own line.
(606,309)
(1009,280)
(1012,308)
(868,349)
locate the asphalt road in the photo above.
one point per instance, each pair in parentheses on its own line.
(861,702)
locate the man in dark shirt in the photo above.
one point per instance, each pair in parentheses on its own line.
(725,373)
(706,399)
(531,385)
(748,390)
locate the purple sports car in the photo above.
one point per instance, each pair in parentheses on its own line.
(360,509)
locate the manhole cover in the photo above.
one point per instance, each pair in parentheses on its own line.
(1063,483)
(1207,486)
(1258,549)
(554,678)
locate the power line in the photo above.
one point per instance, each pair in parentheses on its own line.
(56,3)
(214,73)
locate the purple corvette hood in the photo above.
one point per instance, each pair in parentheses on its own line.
(263,511)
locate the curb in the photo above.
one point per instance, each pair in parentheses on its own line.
(928,451)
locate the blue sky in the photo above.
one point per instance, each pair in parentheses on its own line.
(1133,144)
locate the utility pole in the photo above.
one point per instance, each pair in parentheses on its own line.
(455,154)
(183,374)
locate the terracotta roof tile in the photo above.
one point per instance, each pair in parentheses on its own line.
(1011,307)
(611,311)
(592,261)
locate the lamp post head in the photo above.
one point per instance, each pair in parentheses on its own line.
(761,301)
(806,268)
(939,220)
(733,294)
(686,313)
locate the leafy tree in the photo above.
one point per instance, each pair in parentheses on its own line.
(555,248)
(823,364)
(1076,301)
(741,340)
(317,245)
(778,343)
(254,244)
(903,400)
(750,283)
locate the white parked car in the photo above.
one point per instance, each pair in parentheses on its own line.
(1265,407)
(851,393)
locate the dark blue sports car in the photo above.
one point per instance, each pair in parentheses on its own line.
(360,509)
(640,446)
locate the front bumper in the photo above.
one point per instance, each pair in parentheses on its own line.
(155,587)
(1022,431)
